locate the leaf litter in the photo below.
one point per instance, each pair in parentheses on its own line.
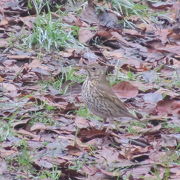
(44,125)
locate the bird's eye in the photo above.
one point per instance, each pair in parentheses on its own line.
(93,68)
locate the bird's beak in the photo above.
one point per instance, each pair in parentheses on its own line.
(81,67)
(77,67)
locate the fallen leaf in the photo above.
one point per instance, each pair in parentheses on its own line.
(28,134)
(20,57)
(3,166)
(9,89)
(169,141)
(21,124)
(175,172)
(143,86)
(3,43)
(147,131)
(89,15)
(169,107)
(43,163)
(41,71)
(1,79)
(81,122)
(152,98)
(168,92)
(108,19)
(89,134)
(4,22)
(149,76)
(28,21)
(160,5)
(125,89)
(137,172)
(109,155)
(74,151)
(4,153)
(90,56)
(85,35)
(169,48)
(38,126)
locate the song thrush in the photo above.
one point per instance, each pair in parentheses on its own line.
(99,97)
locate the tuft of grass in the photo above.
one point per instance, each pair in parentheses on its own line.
(6,130)
(127,8)
(6,126)
(84,112)
(54,174)
(132,130)
(41,117)
(23,160)
(80,162)
(38,5)
(49,34)
(69,74)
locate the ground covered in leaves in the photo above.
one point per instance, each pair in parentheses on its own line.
(46,132)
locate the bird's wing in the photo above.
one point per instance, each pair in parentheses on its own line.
(108,94)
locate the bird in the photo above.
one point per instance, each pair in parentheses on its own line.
(99,97)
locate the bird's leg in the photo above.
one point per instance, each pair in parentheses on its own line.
(105,120)
(107,124)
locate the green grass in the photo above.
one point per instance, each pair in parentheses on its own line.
(67,78)
(23,164)
(6,125)
(49,34)
(53,174)
(38,5)
(130,128)
(84,112)
(172,127)
(41,117)
(22,160)
(80,162)
(167,161)
(117,76)
(69,73)
(127,8)
(6,130)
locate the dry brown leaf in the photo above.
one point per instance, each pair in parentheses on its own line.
(3,43)
(125,89)
(1,79)
(28,134)
(38,126)
(147,131)
(81,122)
(3,22)
(9,89)
(4,153)
(28,21)
(20,57)
(89,134)
(169,107)
(3,166)
(85,35)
